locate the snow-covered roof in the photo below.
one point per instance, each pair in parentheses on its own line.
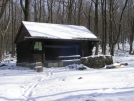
(58,31)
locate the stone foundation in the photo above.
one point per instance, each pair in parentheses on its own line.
(90,61)
(30,65)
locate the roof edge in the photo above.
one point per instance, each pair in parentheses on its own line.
(37,37)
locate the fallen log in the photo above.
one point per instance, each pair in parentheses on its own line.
(116,65)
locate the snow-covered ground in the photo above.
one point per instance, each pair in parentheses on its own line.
(65,84)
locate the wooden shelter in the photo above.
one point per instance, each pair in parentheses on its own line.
(39,42)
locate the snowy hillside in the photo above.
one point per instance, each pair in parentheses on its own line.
(69,84)
(64,84)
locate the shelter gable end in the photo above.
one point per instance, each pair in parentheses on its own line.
(23,32)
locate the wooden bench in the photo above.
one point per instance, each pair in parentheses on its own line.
(68,57)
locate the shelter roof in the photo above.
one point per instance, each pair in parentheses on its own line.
(57,31)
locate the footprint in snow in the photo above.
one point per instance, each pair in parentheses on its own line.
(86,98)
(61,79)
(50,72)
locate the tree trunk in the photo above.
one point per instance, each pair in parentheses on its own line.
(12,29)
(70,7)
(40,11)
(96,26)
(79,11)
(119,27)
(35,11)
(131,37)
(26,9)
(111,28)
(103,26)
(3,6)
(112,50)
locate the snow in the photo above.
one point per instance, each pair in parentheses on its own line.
(57,31)
(68,84)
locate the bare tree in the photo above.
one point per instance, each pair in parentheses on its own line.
(130,24)
(70,10)
(79,11)
(114,42)
(3,6)
(96,2)
(88,14)
(4,26)
(26,9)
(104,25)
(50,4)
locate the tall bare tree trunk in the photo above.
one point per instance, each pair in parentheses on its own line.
(70,7)
(40,11)
(79,11)
(111,26)
(35,11)
(96,26)
(103,26)
(12,28)
(3,6)
(130,15)
(26,9)
(131,37)
(2,33)
(50,10)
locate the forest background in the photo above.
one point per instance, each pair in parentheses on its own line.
(112,21)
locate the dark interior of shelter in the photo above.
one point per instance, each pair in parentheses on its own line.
(61,48)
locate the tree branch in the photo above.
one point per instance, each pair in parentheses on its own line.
(93,1)
(3,8)
(5,31)
(22,6)
(120,22)
(89,11)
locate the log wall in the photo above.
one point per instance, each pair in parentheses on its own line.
(87,48)
(22,34)
(24,53)
(37,57)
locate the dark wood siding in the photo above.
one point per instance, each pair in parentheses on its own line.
(37,57)
(22,34)
(87,47)
(24,53)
